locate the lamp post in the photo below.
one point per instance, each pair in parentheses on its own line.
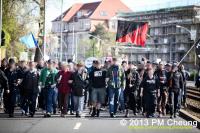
(1,3)
(195,58)
(178,26)
(61,30)
(99,39)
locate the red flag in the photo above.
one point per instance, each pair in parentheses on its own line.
(132,32)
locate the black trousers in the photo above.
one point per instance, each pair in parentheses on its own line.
(150,103)
(10,101)
(130,99)
(173,101)
(30,102)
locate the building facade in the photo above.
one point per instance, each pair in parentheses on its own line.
(171,34)
(79,20)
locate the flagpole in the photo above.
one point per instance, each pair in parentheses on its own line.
(187,52)
(41,52)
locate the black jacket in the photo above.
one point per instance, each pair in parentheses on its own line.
(12,77)
(175,81)
(30,84)
(150,86)
(133,79)
(79,84)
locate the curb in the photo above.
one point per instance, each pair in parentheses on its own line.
(187,116)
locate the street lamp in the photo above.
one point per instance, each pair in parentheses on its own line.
(195,58)
(178,26)
(99,39)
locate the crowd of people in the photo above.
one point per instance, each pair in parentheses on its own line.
(68,88)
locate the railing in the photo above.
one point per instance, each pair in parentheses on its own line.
(171,4)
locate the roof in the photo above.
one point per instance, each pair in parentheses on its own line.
(74,9)
(89,7)
(95,10)
(106,11)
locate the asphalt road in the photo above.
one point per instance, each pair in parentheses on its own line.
(86,124)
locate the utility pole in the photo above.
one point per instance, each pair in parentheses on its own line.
(1,10)
(61,31)
(41,33)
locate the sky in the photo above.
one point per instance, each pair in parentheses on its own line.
(54,6)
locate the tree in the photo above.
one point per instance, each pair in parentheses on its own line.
(100,47)
(16,17)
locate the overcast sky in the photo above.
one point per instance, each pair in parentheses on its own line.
(54,6)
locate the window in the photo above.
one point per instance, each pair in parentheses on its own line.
(103,13)
(81,24)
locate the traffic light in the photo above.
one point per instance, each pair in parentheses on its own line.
(3,38)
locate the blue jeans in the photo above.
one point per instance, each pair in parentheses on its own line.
(51,102)
(121,100)
(71,103)
(78,104)
(113,94)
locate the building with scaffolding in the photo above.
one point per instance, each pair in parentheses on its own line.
(171,34)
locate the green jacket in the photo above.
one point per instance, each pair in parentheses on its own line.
(47,76)
(121,78)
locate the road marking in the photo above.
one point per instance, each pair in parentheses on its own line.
(77,126)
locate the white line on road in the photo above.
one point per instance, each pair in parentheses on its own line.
(77,126)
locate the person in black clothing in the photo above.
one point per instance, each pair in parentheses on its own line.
(132,87)
(185,74)
(140,70)
(98,83)
(150,91)
(10,98)
(31,88)
(175,83)
(162,99)
(21,71)
(79,84)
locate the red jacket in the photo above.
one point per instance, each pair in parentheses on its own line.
(64,86)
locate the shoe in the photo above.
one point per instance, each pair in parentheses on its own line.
(112,115)
(127,114)
(153,115)
(11,115)
(174,116)
(47,115)
(31,115)
(71,113)
(78,115)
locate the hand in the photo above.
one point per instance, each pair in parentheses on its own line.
(70,81)
(7,91)
(53,86)
(141,94)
